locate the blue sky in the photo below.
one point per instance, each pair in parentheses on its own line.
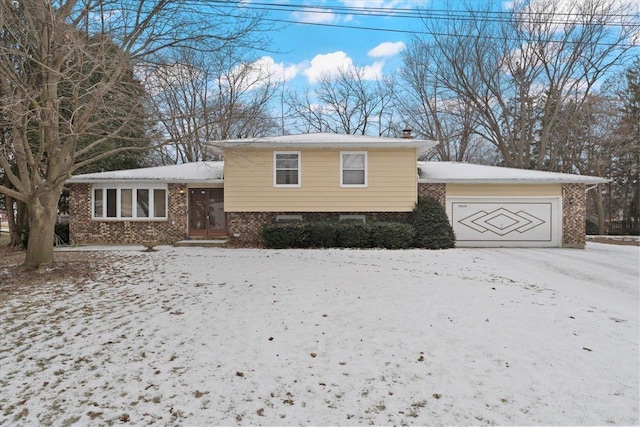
(305,51)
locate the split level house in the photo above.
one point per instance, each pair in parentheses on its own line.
(325,177)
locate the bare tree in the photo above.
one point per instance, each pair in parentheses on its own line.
(625,168)
(344,103)
(201,97)
(307,115)
(61,60)
(586,133)
(434,111)
(515,71)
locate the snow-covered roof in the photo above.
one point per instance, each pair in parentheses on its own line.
(328,140)
(196,172)
(465,173)
(442,172)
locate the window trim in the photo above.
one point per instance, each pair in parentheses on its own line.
(134,214)
(275,170)
(366,170)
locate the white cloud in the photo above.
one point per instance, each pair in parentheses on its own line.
(390,4)
(330,63)
(386,49)
(373,71)
(572,7)
(278,71)
(324,15)
(315,15)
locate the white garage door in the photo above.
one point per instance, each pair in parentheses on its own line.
(509,221)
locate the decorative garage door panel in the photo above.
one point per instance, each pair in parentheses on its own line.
(505,222)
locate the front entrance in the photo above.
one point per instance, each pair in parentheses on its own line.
(206,212)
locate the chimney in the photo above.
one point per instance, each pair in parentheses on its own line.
(406,133)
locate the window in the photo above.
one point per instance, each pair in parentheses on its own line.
(288,218)
(129,202)
(97,203)
(353,169)
(352,218)
(126,203)
(286,171)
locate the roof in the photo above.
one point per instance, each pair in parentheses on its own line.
(436,172)
(328,140)
(465,173)
(196,172)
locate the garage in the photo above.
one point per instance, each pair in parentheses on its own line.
(491,206)
(494,221)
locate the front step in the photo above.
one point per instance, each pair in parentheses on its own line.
(202,243)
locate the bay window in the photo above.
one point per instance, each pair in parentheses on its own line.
(134,202)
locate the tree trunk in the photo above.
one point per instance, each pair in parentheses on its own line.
(15,218)
(43,210)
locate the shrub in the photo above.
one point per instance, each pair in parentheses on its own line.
(321,234)
(431,224)
(281,236)
(591,228)
(391,235)
(62,231)
(353,235)
(24,236)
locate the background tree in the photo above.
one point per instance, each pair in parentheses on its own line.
(435,112)
(587,143)
(59,122)
(625,168)
(346,102)
(516,70)
(199,97)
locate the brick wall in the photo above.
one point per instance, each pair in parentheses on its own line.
(248,225)
(573,215)
(84,230)
(437,191)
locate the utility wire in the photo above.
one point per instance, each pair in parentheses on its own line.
(408,13)
(402,31)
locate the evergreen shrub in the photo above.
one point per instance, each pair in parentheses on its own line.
(354,235)
(321,234)
(392,235)
(431,224)
(281,236)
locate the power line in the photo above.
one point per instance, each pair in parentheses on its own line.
(409,13)
(226,4)
(432,33)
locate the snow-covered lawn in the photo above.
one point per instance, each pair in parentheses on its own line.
(218,336)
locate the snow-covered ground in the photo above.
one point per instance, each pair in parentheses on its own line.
(203,336)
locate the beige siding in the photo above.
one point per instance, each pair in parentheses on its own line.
(504,190)
(248,183)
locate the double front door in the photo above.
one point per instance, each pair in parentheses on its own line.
(206,212)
